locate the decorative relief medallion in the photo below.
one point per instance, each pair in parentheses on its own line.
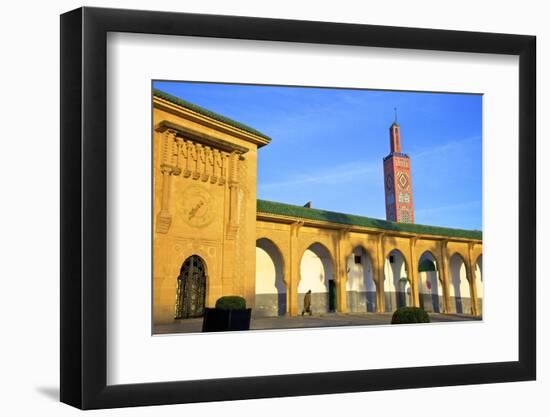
(196,206)
(389,181)
(403,180)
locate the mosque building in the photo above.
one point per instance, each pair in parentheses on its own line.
(212,236)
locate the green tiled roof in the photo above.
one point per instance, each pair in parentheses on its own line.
(208,113)
(282,209)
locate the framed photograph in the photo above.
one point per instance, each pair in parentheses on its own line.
(256,208)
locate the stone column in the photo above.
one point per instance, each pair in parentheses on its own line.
(293,298)
(445,277)
(341,295)
(233,223)
(473,290)
(167,168)
(414,273)
(470,271)
(287,273)
(378,267)
(294,269)
(341,274)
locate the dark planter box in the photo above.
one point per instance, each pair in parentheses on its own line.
(217,320)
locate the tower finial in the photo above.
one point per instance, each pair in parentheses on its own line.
(395,111)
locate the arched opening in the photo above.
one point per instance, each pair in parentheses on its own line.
(396,282)
(430,290)
(270,286)
(316,274)
(479,282)
(191,288)
(459,290)
(360,286)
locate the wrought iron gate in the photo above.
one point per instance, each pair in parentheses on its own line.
(191,289)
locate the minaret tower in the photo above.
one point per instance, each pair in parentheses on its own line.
(397,180)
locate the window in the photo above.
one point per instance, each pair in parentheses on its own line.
(391,259)
(357,259)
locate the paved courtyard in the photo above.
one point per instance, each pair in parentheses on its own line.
(322,320)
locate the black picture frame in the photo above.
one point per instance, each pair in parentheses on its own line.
(84,207)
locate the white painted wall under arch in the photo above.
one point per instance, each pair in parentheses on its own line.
(397,293)
(459,287)
(270,286)
(360,286)
(479,282)
(430,290)
(316,271)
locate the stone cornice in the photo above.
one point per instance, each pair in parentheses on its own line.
(276,218)
(196,117)
(200,137)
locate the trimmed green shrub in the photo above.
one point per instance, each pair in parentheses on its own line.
(426,265)
(405,315)
(231,302)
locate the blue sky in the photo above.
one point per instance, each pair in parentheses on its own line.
(327,146)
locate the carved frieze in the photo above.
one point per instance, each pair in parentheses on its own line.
(196,155)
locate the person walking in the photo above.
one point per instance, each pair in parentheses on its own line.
(307,303)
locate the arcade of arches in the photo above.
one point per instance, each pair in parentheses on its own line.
(212,237)
(355,270)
